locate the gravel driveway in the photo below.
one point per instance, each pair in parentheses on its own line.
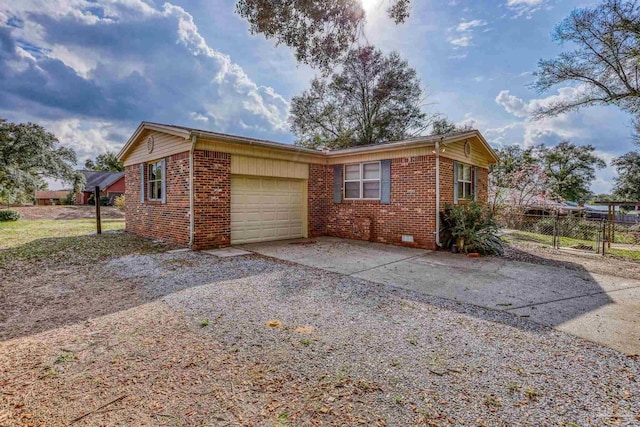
(419,359)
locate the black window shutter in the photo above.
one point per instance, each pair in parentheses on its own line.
(337,183)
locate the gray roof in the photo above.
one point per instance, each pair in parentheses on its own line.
(100,178)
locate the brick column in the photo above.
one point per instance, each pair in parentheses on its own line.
(212,199)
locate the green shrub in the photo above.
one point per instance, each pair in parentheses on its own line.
(473,228)
(70,199)
(7,215)
(120,202)
(91,200)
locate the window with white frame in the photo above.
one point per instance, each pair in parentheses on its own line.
(465,182)
(362,181)
(154,180)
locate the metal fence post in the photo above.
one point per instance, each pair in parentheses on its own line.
(604,234)
(556,243)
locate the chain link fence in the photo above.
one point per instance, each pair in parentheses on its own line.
(575,232)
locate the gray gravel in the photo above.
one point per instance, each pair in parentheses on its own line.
(454,363)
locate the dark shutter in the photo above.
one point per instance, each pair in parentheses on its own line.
(455,182)
(141,182)
(385,181)
(163,185)
(337,183)
(475,183)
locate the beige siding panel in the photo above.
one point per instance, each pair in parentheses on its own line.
(243,165)
(381,155)
(479,155)
(164,145)
(249,150)
(264,209)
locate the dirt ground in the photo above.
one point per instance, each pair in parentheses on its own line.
(66,212)
(568,258)
(84,344)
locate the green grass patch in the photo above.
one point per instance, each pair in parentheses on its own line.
(18,233)
(41,244)
(624,253)
(568,242)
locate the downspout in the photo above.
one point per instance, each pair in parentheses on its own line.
(437,231)
(191,197)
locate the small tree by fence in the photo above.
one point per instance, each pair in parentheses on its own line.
(592,234)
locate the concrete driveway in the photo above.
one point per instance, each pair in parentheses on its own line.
(604,309)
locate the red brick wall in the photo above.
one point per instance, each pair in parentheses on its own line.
(212,197)
(320,194)
(483,184)
(411,211)
(169,221)
(412,208)
(117,187)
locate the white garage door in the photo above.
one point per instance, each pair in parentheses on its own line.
(265,209)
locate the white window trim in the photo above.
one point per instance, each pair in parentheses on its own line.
(361,180)
(461,167)
(149,180)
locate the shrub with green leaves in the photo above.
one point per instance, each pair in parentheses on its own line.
(8,215)
(473,227)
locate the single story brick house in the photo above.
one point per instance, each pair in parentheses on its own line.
(112,184)
(49,197)
(208,190)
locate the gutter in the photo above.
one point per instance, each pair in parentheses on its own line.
(191,197)
(437,231)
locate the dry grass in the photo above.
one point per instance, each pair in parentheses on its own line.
(30,213)
(164,371)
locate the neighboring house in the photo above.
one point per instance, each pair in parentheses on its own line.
(46,198)
(208,189)
(112,184)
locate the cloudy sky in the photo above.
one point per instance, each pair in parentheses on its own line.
(91,70)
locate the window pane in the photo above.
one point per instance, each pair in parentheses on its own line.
(461,190)
(152,174)
(152,189)
(371,171)
(352,172)
(467,190)
(460,172)
(467,172)
(371,190)
(159,191)
(352,190)
(159,170)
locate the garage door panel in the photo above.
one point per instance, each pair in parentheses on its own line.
(265,209)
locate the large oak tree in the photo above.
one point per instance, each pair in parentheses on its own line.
(627,184)
(105,162)
(571,169)
(28,154)
(320,32)
(603,63)
(374,98)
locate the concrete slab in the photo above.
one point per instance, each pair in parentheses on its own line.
(176,251)
(604,309)
(609,318)
(227,252)
(333,254)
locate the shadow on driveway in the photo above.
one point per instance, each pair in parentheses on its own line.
(566,296)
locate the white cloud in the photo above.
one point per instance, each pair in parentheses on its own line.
(469,25)
(463,41)
(109,65)
(589,126)
(525,8)
(462,35)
